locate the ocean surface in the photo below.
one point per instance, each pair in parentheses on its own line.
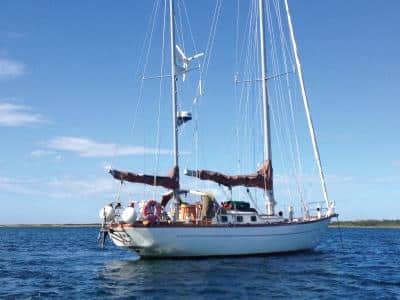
(40,263)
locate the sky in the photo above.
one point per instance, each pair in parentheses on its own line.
(69,90)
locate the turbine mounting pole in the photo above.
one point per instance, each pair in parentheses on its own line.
(174,94)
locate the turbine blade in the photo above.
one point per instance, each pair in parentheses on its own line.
(182,54)
(198,55)
(195,56)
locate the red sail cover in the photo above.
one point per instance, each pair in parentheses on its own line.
(260,179)
(170,181)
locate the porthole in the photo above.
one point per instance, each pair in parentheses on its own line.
(253,218)
(239,219)
(224,219)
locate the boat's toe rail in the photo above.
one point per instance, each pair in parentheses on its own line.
(116,228)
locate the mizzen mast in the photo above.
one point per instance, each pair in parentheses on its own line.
(269,193)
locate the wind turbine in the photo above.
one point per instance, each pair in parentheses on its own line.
(185,61)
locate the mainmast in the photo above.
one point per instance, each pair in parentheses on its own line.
(174,95)
(269,194)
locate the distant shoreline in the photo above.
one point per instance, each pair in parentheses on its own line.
(367,224)
(359,226)
(48,225)
(340,224)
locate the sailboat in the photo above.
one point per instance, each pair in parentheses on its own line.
(207,228)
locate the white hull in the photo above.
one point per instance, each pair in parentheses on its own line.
(197,241)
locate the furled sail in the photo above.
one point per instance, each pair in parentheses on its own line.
(166,197)
(262,178)
(169,182)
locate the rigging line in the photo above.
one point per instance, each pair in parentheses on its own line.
(209,36)
(299,164)
(209,49)
(279,92)
(244,113)
(184,14)
(279,142)
(285,43)
(190,28)
(252,91)
(258,88)
(238,122)
(246,90)
(148,28)
(204,67)
(210,43)
(244,47)
(246,41)
(288,83)
(118,195)
(145,68)
(276,115)
(248,59)
(301,170)
(236,92)
(306,106)
(179,24)
(278,85)
(158,138)
(252,61)
(256,91)
(237,34)
(259,97)
(296,88)
(235,86)
(282,39)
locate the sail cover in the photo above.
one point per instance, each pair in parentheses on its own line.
(169,182)
(262,178)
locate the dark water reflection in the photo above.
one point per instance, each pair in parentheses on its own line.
(66,263)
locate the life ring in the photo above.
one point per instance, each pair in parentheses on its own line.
(152,211)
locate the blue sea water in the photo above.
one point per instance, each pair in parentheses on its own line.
(40,263)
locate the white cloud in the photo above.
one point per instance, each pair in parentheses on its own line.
(58,187)
(10,68)
(396,163)
(89,148)
(312,179)
(15,115)
(388,179)
(70,188)
(41,153)
(18,186)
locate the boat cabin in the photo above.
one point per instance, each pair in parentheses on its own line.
(229,212)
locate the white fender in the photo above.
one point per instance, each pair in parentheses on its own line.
(107,213)
(129,215)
